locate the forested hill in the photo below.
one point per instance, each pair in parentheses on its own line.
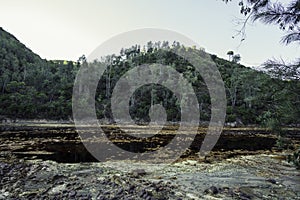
(14,51)
(33,88)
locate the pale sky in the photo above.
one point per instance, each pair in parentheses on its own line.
(66,29)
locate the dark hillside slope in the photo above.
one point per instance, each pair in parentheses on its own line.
(15,60)
(33,88)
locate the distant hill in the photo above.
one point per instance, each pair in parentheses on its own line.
(12,46)
(33,88)
(15,59)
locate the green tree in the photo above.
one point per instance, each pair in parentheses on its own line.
(287,18)
(230,55)
(236,58)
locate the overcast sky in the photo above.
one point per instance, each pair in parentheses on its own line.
(66,29)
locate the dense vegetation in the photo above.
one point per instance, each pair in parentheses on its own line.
(35,88)
(30,86)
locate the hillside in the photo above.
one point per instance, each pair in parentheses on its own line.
(30,86)
(33,88)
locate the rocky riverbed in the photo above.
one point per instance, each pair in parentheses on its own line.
(49,162)
(261,176)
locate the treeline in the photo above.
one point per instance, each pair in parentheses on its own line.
(36,88)
(253,97)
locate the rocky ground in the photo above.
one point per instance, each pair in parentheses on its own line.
(261,176)
(49,162)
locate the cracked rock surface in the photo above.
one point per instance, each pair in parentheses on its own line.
(261,176)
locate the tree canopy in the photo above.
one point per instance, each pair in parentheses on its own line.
(285,16)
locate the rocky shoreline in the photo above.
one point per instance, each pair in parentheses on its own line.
(48,162)
(261,176)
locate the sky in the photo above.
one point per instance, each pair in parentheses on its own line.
(67,29)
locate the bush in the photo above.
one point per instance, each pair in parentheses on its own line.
(295,158)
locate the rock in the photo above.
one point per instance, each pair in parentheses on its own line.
(131,187)
(57,189)
(273,181)
(191,196)
(101,198)
(138,172)
(178,194)
(245,193)
(147,197)
(72,193)
(212,190)
(4,195)
(83,195)
(51,180)
(191,162)
(120,191)
(244,196)
(57,176)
